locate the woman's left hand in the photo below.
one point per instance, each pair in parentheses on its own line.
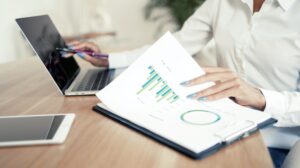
(227,84)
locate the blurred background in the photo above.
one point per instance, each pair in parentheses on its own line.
(115,25)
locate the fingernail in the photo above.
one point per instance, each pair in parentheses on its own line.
(81,55)
(202,99)
(184,83)
(63,54)
(191,96)
(71,46)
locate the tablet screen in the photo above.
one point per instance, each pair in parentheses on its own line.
(29,128)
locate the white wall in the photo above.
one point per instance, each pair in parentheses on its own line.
(129,22)
(9,10)
(127,19)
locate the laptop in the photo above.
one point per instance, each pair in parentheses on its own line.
(70,79)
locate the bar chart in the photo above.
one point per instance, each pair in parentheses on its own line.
(155,84)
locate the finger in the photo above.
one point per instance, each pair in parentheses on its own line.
(211,77)
(72,43)
(214,89)
(231,92)
(86,45)
(81,55)
(96,61)
(87,58)
(66,54)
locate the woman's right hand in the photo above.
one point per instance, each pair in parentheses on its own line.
(79,45)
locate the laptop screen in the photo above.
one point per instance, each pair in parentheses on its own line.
(44,38)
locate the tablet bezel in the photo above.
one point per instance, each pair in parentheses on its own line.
(58,138)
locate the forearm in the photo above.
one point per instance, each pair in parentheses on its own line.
(124,59)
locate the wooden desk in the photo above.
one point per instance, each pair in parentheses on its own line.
(95,140)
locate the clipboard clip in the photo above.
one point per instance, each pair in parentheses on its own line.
(236,131)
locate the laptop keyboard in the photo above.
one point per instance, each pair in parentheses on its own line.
(94,79)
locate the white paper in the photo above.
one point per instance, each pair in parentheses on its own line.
(149,94)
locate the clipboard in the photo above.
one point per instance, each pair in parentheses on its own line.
(237,135)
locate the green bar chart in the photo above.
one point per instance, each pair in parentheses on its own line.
(155,84)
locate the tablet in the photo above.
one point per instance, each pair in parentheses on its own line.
(34,129)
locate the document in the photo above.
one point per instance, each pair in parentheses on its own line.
(149,94)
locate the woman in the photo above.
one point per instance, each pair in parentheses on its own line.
(258,48)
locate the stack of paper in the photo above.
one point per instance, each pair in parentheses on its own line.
(149,94)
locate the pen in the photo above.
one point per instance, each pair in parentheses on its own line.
(89,52)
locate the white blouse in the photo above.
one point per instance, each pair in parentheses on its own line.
(263,48)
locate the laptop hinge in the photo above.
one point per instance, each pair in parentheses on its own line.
(71,80)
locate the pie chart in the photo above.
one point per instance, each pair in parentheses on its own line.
(200,117)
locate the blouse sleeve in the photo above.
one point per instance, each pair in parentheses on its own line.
(194,35)
(284,106)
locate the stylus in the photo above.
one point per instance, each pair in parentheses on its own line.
(88,52)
